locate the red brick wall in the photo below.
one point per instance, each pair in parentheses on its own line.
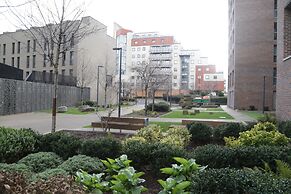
(166,40)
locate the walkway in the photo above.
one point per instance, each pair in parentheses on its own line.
(237,115)
(41,121)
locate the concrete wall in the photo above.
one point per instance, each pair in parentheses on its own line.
(283,100)
(20,96)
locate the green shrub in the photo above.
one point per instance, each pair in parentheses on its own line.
(176,136)
(60,143)
(89,103)
(41,161)
(220,156)
(201,133)
(45,175)
(151,133)
(86,163)
(102,148)
(284,127)
(152,156)
(15,144)
(228,130)
(238,181)
(260,134)
(159,107)
(14,167)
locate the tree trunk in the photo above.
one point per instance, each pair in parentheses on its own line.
(146,101)
(82,98)
(105,96)
(153,103)
(54,108)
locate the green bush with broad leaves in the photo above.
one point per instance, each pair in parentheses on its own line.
(16,143)
(119,178)
(41,161)
(102,148)
(180,176)
(60,143)
(260,134)
(86,163)
(152,133)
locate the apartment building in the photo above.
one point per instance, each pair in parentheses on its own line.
(80,58)
(252,68)
(283,100)
(208,79)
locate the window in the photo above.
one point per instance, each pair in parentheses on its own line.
(12,61)
(162,40)
(199,69)
(33,61)
(215,77)
(199,61)
(133,49)
(63,72)
(192,76)
(207,69)
(4,60)
(175,55)
(132,77)
(71,72)
(144,41)
(72,43)
(287,31)
(133,56)
(175,77)
(275,53)
(71,57)
(18,62)
(34,45)
(175,84)
(64,59)
(176,62)
(135,42)
(18,47)
(27,61)
(143,48)
(4,49)
(143,56)
(274,76)
(138,56)
(175,70)
(138,48)
(28,46)
(13,47)
(199,77)
(192,62)
(27,74)
(153,41)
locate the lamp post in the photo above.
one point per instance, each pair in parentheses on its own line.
(97,99)
(119,95)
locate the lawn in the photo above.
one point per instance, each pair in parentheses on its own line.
(201,115)
(165,125)
(214,109)
(253,114)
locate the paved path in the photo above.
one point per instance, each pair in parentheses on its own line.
(237,115)
(41,122)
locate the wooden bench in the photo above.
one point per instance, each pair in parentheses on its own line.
(120,123)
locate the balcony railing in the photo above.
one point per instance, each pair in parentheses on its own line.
(161,50)
(161,57)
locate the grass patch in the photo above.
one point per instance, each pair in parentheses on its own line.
(214,109)
(165,125)
(201,115)
(253,114)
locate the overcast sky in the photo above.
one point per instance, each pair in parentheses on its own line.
(197,24)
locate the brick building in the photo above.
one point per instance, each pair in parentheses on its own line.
(283,102)
(252,54)
(207,79)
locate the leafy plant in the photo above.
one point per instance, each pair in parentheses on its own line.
(260,134)
(228,130)
(120,177)
(152,133)
(180,176)
(41,161)
(201,133)
(178,136)
(45,175)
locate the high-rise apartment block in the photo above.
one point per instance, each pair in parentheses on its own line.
(252,69)
(150,47)
(30,53)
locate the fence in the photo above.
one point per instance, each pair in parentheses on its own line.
(20,96)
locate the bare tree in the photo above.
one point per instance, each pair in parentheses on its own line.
(56,27)
(147,72)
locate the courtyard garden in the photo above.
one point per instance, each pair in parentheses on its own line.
(230,158)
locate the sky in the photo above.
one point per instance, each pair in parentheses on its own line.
(196,24)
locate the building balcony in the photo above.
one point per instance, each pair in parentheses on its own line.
(161,50)
(160,57)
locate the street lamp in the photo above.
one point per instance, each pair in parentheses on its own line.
(119,95)
(97,99)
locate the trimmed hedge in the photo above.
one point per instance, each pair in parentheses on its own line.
(238,181)
(14,167)
(159,107)
(41,161)
(102,148)
(221,157)
(201,133)
(49,173)
(60,143)
(16,143)
(228,130)
(152,156)
(86,163)
(284,127)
